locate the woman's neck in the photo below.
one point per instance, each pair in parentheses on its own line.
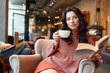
(75,35)
(75,32)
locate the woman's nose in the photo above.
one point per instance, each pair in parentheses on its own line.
(71,20)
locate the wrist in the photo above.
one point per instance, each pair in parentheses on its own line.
(56,44)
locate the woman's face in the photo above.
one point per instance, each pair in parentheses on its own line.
(72,20)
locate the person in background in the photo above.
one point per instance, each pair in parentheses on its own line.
(61,52)
(24,48)
(4,45)
(6,50)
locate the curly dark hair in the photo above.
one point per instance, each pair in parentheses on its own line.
(82,25)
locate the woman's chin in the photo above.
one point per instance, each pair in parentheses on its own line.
(73,28)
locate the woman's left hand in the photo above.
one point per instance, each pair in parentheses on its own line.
(93,58)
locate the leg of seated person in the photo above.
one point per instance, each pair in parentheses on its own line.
(26,51)
(49,71)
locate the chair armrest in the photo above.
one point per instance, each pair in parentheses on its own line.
(24,63)
(86,66)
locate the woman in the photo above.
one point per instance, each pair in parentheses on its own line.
(61,52)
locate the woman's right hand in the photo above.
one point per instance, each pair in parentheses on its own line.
(56,37)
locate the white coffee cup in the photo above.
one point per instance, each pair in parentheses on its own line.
(64,33)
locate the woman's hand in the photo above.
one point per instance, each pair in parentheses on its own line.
(93,59)
(56,37)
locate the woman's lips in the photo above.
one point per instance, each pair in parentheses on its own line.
(72,25)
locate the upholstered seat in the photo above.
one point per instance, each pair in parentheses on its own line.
(28,64)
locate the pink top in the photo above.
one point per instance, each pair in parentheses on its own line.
(62,57)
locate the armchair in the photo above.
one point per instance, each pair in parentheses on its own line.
(28,64)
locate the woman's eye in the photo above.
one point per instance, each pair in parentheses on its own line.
(75,17)
(68,19)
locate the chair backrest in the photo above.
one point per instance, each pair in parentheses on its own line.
(102,43)
(41,45)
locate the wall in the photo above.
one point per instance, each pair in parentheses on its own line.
(91,5)
(108,22)
(87,5)
(3,20)
(104,6)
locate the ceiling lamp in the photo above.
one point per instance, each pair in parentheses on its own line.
(48,20)
(96,26)
(48,16)
(45,12)
(56,17)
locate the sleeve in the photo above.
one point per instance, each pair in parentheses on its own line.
(98,63)
(91,41)
(51,50)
